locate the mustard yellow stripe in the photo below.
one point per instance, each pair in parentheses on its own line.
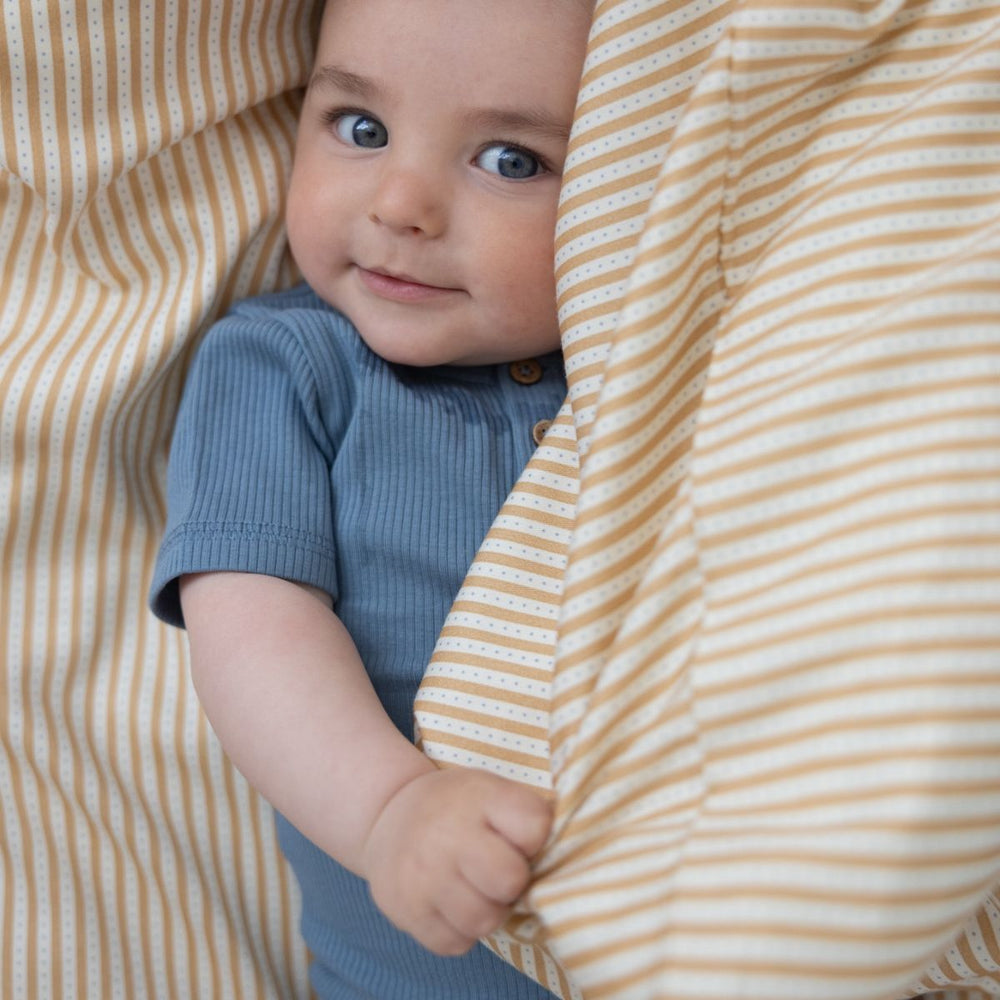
(132,415)
(489,664)
(928,22)
(816,766)
(140,144)
(639,17)
(933,203)
(952,136)
(610,277)
(694,969)
(866,272)
(598,754)
(464,605)
(705,170)
(566,466)
(67,722)
(656,490)
(179,166)
(900,486)
(474,580)
(885,425)
(949,410)
(989,938)
(585,331)
(232,851)
(950,971)
(607,861)
(482,719)
(103,723)
(663,763)
(861,271)
(181,888)
(94,510)
(27,776)
(667,423)
(789,582)
(60,111)
(523,565)
(631,555)
(884,721)
(185,81)
(968,315)
(757,88)
(205,152)
(789,931)
(772,676)
(224,155)
(957,537)
(905,171)
(483,749)
(530,488)
(544,544)
(616,180)
(8,97)
(608,65)
(486,691)
(811,893)
(211,874)
(558,459)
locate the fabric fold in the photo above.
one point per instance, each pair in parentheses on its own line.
(773,652)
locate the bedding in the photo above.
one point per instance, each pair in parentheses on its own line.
(740,615)
(144,153)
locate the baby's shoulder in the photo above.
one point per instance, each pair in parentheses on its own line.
(295,322)
(298,307)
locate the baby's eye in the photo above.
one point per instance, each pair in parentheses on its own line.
(511,162)
(361,130)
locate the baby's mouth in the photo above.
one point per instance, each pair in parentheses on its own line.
(400,287)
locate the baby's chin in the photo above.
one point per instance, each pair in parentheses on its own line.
(409,349)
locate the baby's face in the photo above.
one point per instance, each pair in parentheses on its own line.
(427,172)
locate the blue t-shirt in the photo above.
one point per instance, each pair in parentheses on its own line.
(299,453)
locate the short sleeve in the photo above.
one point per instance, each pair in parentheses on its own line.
(248,486)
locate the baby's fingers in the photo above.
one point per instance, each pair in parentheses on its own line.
(521,816)
(470,914)
(495,868)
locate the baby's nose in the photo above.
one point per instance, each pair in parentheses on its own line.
(408,199)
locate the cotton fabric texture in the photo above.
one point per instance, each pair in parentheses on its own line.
(145,150)
(752,641)
(299,453)
(776,483)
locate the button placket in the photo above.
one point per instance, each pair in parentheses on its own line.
(526,372)
(538,431)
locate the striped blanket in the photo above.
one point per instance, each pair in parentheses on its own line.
(741,615)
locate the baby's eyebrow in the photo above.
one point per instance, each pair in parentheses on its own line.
(334,78)
(530,120)
(533,120)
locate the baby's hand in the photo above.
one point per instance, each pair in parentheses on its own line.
(449,854)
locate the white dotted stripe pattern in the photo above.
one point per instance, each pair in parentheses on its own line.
(750,643)
(144,152)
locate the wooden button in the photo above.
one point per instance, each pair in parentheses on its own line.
(538,431)
(526,372)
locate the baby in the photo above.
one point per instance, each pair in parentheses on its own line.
(340,453)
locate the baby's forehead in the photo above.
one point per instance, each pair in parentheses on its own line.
(496,54)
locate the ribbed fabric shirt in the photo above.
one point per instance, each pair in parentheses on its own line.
(299,453)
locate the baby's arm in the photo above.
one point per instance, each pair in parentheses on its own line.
(445,852)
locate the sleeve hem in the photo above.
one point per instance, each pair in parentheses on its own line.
(242,548)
